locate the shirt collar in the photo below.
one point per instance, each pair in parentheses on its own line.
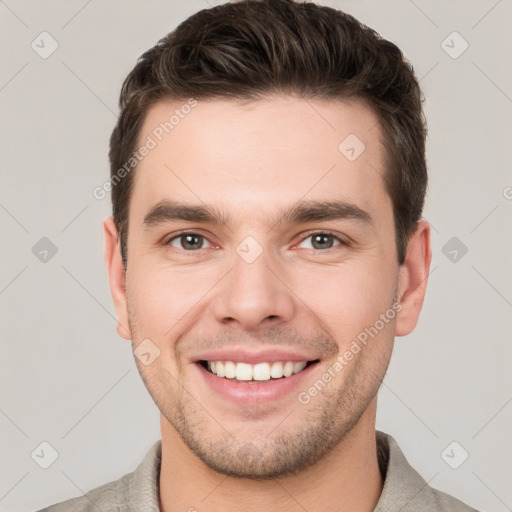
(403,487)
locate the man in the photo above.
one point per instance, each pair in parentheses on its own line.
(266,246)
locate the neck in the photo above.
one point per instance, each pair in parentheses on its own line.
(347,479)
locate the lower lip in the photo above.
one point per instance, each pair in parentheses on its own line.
(251,391)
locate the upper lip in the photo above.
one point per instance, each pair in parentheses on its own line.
(238,355)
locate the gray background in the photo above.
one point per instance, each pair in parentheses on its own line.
(66,376)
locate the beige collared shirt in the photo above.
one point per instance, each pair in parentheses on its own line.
(404,489)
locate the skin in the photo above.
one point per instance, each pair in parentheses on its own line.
(249,161)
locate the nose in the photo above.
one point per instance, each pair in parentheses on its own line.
(254,295)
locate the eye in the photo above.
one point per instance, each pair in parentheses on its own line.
(188,241)
(322,240)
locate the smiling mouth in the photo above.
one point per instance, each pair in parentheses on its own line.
(259,372)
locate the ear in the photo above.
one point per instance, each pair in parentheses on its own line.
(116,275)
(413,277)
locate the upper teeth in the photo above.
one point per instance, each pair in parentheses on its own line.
(259,371)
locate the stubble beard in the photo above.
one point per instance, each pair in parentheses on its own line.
(264,455)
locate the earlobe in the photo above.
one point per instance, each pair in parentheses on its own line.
(116,274)
(413,279)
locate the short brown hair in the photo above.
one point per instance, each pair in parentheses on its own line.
(249,49)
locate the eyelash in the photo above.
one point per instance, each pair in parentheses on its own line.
(341,241)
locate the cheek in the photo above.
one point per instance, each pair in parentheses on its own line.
(346,299)
(162,297)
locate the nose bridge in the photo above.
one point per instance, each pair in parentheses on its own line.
(253,293)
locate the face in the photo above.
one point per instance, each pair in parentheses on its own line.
(261,248)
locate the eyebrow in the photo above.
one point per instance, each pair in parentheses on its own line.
(300,213)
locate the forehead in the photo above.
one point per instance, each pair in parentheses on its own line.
(259,154)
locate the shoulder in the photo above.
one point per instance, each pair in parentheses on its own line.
(137,490)
(446,503)
(434,500)
(103,497)
(404,488)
